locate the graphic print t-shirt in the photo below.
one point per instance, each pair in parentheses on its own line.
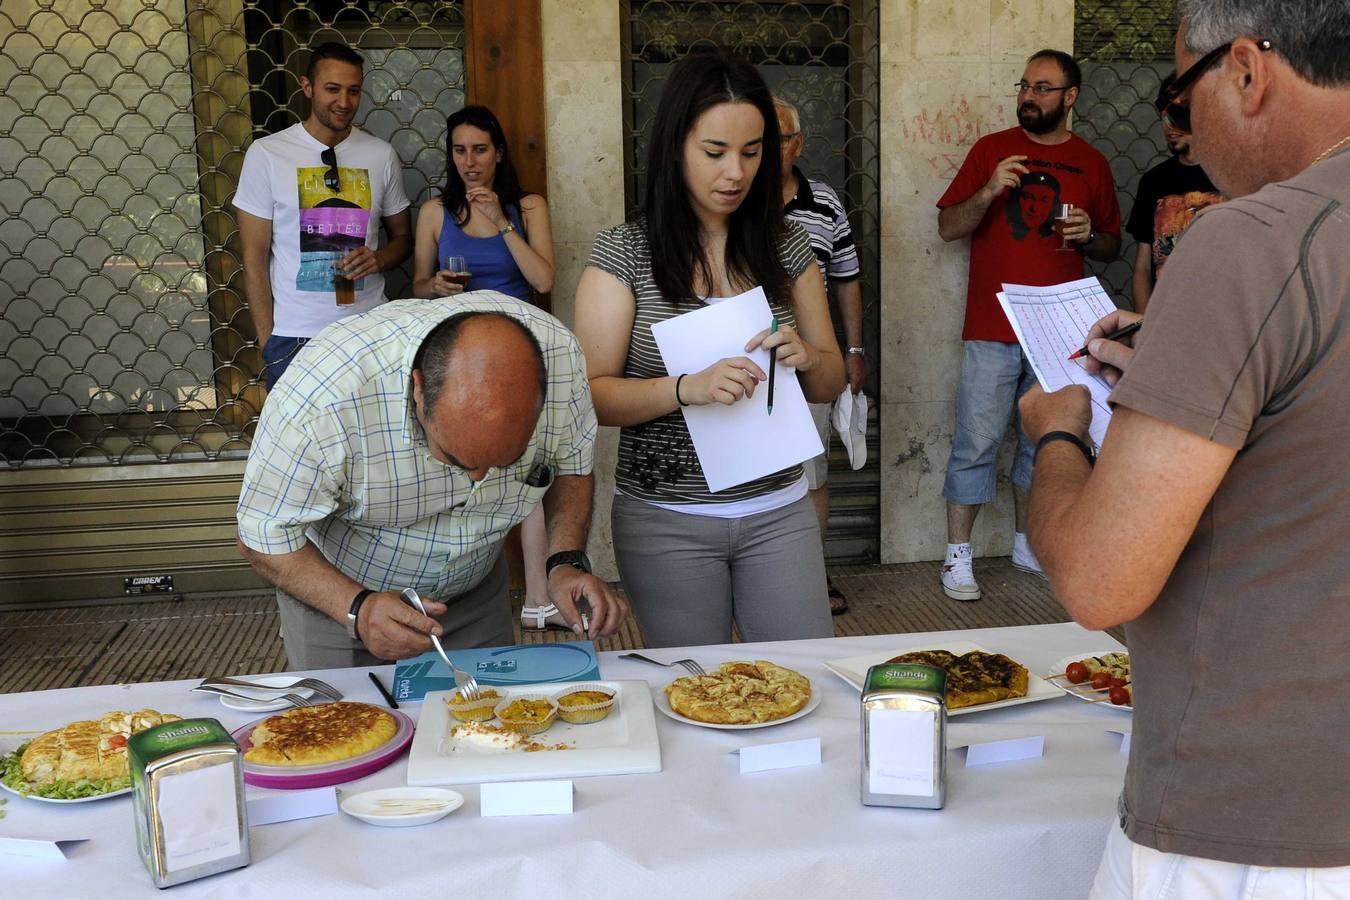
(1015,241)
(314,226)
(1170,196)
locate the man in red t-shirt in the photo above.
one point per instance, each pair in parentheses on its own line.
(1005,198)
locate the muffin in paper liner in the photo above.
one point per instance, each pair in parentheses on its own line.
(579,713)
(479,710)
(527,725)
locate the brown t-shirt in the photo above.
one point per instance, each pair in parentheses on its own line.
(1242,665)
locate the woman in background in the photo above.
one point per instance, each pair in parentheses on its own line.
(711,227)
(504,238)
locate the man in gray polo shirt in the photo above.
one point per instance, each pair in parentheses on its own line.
(1214,524)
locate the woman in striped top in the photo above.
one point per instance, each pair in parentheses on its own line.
(711,227)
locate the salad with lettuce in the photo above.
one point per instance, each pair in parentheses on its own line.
(11,775)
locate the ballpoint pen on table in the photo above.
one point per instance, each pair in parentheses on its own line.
(388,697)
(773,361)
(1118,334)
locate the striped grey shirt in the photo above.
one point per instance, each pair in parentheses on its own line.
(657,462)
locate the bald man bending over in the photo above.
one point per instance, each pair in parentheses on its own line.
(396,452)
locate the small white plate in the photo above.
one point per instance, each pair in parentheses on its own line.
(402,807)
(266,700)
(1084,691)
(663,704)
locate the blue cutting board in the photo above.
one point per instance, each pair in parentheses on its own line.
(517,664)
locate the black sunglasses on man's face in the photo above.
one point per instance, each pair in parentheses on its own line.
(1177,115)
(331,178)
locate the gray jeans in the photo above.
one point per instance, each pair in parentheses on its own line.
(479,617)
(687,577)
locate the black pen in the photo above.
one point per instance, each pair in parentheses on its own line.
(388,697)
(773,360)
(1116,335)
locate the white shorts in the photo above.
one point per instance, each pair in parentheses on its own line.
(1130,871)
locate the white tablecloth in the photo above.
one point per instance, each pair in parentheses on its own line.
(1033,828)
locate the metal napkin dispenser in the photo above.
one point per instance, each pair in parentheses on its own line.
(904,736)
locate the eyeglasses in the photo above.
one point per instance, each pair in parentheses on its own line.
(332,178)
(1040,90)
(1177,115)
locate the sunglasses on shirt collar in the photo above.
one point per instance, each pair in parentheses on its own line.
(332,178)
(1176,114)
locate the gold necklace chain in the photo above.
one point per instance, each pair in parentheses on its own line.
(1330,150)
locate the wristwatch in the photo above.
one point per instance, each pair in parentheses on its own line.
(355,610)
(857,351)
(575,558)
(506,229)
(1052,436)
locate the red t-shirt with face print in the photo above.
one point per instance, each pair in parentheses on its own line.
(1014,243)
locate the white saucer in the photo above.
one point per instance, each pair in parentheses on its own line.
(266,700)
(425,804)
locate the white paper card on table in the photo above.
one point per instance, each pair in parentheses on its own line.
(1051,323)
(35,848)
(286,806)
(783,755)
(900,751)
(989,752)
(200,816)
(525,798)
(1124,738)
(741,442)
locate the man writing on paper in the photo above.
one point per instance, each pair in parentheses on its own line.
(1005,198)
(1214,523)
(397,453)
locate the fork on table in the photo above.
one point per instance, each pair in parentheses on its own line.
(689,665)
(292,699)
(465,683)
(322,688)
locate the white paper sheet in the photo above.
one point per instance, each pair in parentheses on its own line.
(1051,323)
(525,798)
(741,442)
(783,755)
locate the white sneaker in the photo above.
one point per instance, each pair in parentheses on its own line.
(1023,558)
(958,579)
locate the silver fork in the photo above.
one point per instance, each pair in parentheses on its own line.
(689,665)
(465,683)
(322,688)
(292,699)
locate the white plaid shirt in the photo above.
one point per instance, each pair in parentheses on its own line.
(339,458)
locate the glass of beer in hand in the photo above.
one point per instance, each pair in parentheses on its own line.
(1061,223)
(458,269)
(343,287)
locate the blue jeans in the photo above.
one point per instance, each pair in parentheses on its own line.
(277,354)
(993,376)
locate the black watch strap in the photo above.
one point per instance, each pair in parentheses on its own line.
(354,611)
(1052,436)
(576,558)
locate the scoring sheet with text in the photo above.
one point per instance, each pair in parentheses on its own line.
(1051,323)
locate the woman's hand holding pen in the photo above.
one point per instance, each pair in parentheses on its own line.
(1109,358)
(793,351)
(725,382)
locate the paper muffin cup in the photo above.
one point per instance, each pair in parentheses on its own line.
(585,713)
(527,726)
(479,710)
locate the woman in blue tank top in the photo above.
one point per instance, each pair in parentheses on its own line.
(504,237)
(482,216)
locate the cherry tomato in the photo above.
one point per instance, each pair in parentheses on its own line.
(1077,673)
(1119,696)
(118,740)
(1116,681)
(1100,680)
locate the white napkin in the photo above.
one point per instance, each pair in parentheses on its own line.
(850,421)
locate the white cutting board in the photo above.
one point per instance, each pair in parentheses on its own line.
(623,743)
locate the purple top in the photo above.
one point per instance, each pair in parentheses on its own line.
(491,267)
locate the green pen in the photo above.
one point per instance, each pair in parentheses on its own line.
(773,360)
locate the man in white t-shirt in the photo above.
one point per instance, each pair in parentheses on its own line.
(304,205)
